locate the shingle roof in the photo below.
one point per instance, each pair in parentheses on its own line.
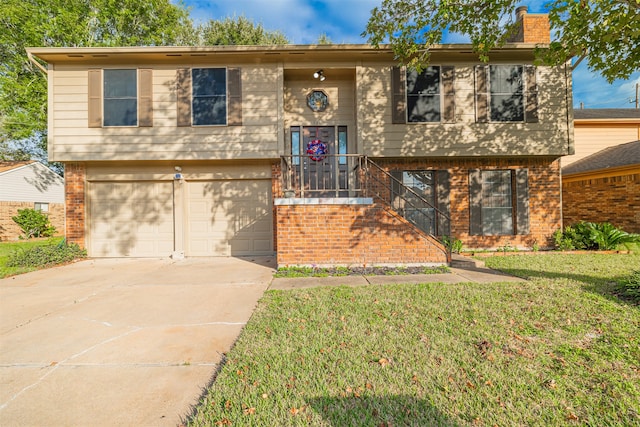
(607,113)
(612,157)
(7,166)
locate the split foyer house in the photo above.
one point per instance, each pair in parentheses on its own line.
(329,154)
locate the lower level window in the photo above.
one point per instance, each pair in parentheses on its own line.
(42,207)
(497,203)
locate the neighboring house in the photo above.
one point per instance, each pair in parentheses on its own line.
(29,185)
(604,187)
(327,154)
(599,128)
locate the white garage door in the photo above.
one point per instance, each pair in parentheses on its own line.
(131,219)
(231,217)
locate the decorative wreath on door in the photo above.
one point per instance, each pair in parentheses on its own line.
(317,150)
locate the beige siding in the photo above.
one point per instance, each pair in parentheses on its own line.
(593,137)
(341,110)
(379,137)
(73,140)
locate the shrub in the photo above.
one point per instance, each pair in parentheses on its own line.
(630,287)
(592,236)
(452,244)
(44,256)
(34,223)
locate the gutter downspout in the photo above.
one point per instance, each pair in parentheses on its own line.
(36,63)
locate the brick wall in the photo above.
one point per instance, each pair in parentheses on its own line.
(531,28)
(613,199)
(544,197)
(75,179)
(9,230)
(350,235)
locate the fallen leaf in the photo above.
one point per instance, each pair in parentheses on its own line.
(223,422)
(249,411)
(294,411)
(383,362)
(470,385)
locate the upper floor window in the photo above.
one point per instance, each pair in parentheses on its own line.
(209,96)
(507,93)
(423,95)
(120,97)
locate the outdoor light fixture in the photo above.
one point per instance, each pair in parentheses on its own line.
(319,75)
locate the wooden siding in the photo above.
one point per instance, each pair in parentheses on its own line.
(32,183)
(550,136)
(593,137)
(73,140)
(274,99)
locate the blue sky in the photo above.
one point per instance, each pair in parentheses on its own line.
(302,21)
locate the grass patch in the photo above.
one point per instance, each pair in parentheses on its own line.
(29,255)
(551,351)
(296,271)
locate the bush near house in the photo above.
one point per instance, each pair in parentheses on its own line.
(34,223)
(593,236)
(22,257)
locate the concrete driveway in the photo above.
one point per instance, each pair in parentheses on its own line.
(120,341)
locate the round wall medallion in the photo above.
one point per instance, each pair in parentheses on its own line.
(317,100)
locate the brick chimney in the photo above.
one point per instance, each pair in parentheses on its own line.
(531,28)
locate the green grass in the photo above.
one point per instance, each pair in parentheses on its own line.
(560,349)
(8,247)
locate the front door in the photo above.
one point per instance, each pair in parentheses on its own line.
(321,160)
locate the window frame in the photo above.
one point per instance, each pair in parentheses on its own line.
(522,93)
(38,206)
(106,71)
(226,97)
(511,207)
(439,94)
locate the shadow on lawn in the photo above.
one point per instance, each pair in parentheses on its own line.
(609,287)
(379,411)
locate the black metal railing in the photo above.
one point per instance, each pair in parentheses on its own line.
(411,205)
(331,175)
(354,175)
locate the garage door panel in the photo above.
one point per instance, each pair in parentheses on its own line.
(131,219)
(233,216)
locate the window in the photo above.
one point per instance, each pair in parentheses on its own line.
(499,202)
(422,183)
(507,93)
(120,97)
(418,187)
(209,96)
(423,95)
(42,207)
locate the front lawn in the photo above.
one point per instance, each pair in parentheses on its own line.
(561,349)
(7,248)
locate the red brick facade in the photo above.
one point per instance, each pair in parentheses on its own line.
(374,234)
(544,198)
(614,199)
(75,179)
(350,235)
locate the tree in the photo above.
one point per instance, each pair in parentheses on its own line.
(68,23)
(238,31)
(605,32)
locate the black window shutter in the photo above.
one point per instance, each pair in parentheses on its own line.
(183,94)
(399,98)
(475,202)
(442,202)
(522,201)
(234,85)
(531,108)
(482,94)
(448,93)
